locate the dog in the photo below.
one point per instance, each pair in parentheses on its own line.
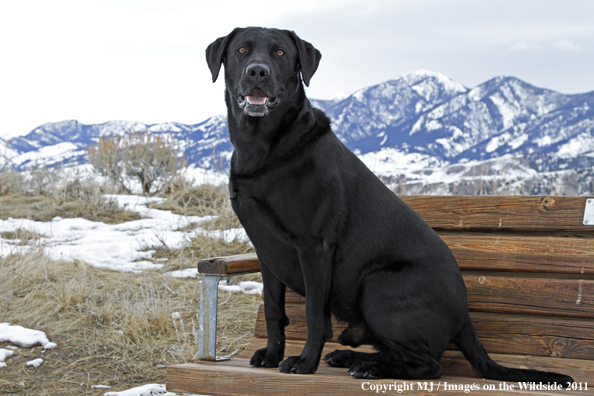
(325,226)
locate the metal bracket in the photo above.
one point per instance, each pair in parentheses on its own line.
(207,335)
(589,212)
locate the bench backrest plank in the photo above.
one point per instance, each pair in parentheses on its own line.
(515,213)
(550,255)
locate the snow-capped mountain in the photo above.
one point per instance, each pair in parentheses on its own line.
(66,142)
(409,127)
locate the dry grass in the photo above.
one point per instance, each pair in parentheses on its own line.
(203,200)
(198,247)
(22,236)
(45,194)
(42,208)
(111,328)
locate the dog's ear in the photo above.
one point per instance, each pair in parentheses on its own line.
(309,58)
(215,54)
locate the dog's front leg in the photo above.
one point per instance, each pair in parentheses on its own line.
(316,264)
(276,320)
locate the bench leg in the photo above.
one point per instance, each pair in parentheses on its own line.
(207,336)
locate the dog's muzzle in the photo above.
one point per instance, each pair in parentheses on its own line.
(256,103)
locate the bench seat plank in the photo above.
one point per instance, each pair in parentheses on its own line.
(236,377)
(456,363)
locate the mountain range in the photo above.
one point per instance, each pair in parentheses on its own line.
(420,129)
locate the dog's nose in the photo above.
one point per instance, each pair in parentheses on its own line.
(257,71)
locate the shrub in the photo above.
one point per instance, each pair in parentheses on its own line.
(151,159)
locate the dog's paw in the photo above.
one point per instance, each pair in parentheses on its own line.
(340,358)
(366,370)
(265,358)
(297,365)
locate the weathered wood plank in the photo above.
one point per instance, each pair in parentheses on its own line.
(521,296)
(455,364)
(236,377)
(536,336)
(473,252)
(512,213)
(230,265)
(520,253)
(531,296)
(509,334)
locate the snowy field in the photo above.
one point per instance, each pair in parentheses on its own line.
(120,247)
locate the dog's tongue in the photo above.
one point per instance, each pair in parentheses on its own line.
(257,97)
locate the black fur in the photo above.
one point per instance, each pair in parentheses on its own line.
(325,226)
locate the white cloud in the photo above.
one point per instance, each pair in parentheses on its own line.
(566,45)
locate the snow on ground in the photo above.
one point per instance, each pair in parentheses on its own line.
(22,337)
(144,390)
(247,287)
(121,247)
(117,247)
(35,362)
(147,390)
(4,353)
(424,169)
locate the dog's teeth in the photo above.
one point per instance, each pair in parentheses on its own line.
(257,101)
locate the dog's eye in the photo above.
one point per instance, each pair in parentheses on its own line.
(280,53)
(242,50)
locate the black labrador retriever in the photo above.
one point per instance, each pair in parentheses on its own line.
(324,225)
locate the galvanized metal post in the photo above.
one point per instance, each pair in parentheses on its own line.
(207,335)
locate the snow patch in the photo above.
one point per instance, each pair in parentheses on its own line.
(35,362)
(4,353)
(248,287)
(580,144)
(144,390)
(121,247)
(497,142)
(184,273)
(22,336)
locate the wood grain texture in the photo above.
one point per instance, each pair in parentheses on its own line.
(523,319)
(508,334)
(230,265)
(454,363)
(531,296)
(521,296)
(473,252)
(236,377)
(511,213)
(522,253)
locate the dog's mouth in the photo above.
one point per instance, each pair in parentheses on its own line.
(256,103)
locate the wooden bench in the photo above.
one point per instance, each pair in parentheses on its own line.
(528,264)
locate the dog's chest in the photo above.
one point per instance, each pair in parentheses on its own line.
(266,216)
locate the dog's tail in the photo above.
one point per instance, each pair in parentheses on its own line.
(470,345)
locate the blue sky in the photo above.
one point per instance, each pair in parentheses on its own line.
(143,60)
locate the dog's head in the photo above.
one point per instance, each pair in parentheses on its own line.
(262,66)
